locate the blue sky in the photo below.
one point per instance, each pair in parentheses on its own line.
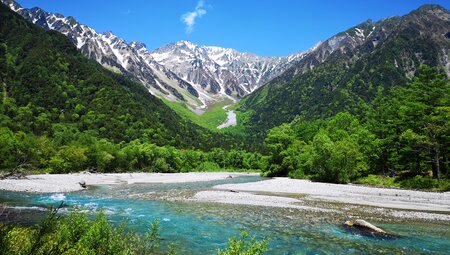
(264,27)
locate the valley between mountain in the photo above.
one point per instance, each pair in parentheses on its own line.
(206,141)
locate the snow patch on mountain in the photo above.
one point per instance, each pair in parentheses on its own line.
(221,71)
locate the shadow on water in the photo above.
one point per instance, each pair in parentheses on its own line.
(202,228)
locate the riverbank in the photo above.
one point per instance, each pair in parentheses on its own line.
(58,183)
(348,194)
(335,200)
(304,195)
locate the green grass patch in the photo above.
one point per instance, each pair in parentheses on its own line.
(213,116)
(426,183)
(417,182)
(378,181)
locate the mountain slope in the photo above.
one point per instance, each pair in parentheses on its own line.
(345,72)
(48,85)
(131,59)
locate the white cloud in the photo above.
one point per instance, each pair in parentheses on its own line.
(189,17)
(125,12)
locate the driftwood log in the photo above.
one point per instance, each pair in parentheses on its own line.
(82,184)
(365,228)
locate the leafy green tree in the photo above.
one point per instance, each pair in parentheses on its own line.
(422,119)
(69,158)
(8,148)
(254,161)
(347,162)
(323,148)
(430,91)
(278,141)
(219,156)
(191,159)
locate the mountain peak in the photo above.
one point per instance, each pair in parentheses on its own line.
(432,10)
(175,71)
(186,42)
(220,72)
(183,43)
(138,45)
(70,19)
(431,7)
(109,34)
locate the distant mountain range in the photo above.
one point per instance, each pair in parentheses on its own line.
(182,71)
(222,71)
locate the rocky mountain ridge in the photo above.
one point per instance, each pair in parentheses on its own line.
(221,70)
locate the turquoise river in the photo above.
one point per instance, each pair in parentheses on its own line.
(202,228)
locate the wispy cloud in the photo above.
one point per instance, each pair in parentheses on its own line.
(189,17)
(125,12)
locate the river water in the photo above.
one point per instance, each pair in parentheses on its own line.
(202,228)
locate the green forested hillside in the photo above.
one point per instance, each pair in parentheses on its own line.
(62,112)
(46,81)
(351,78)
(408,132)
(369,108)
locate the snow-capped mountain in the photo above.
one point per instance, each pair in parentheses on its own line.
(182,71)
(112,52)
(219,70)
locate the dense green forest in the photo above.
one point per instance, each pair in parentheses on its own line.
(407,131)
(60,112)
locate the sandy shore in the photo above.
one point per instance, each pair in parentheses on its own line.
(244,198)
(57,183)
(350,194)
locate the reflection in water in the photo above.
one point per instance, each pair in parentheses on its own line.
(202,228)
